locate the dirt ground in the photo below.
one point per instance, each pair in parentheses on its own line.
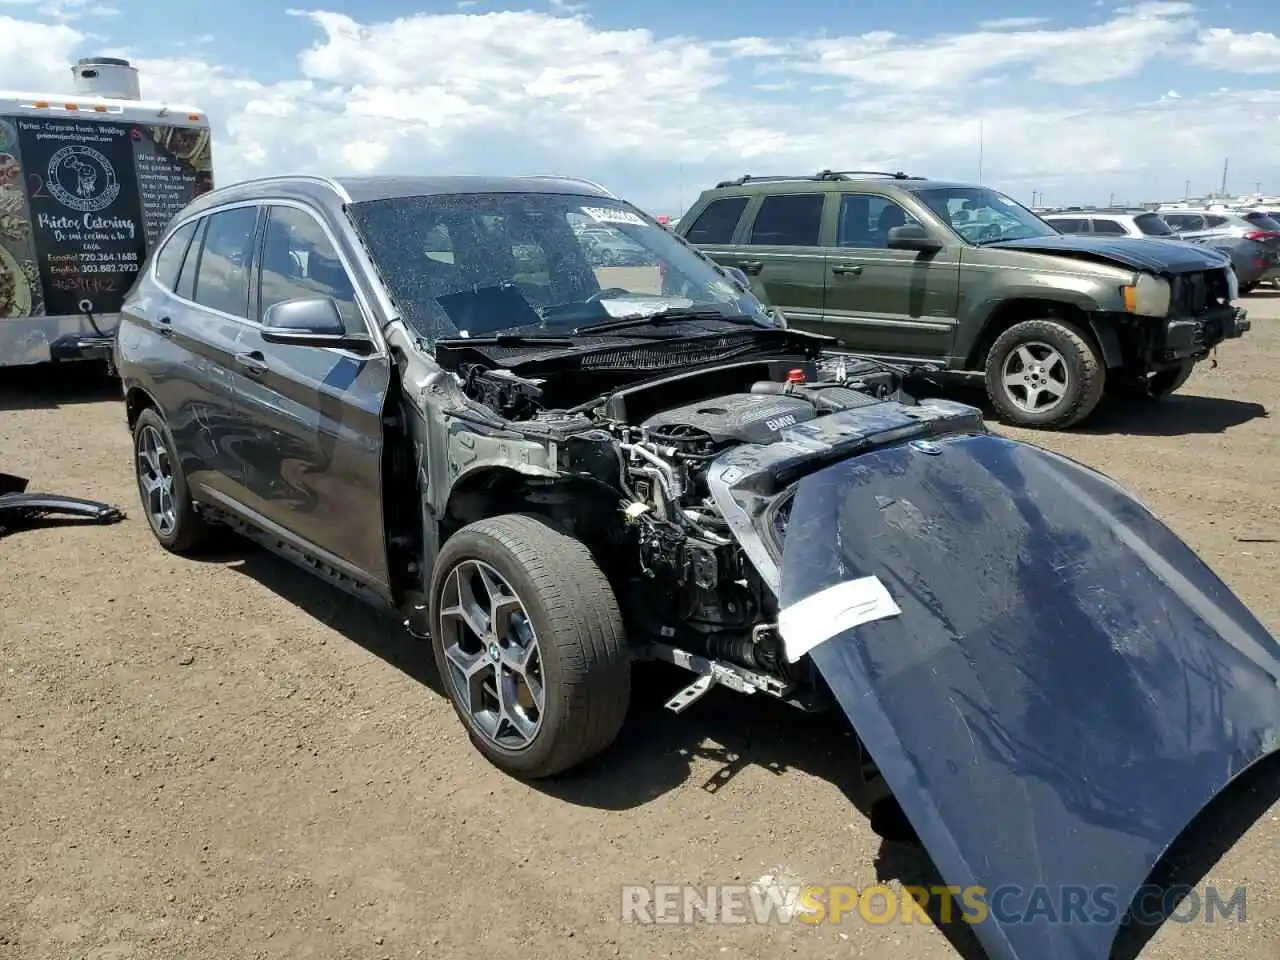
(231,760)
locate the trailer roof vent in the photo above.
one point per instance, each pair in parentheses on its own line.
(109,77)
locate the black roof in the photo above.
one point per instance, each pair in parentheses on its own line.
(363,189)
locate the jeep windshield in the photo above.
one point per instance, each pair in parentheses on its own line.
(485,264)
(982,216)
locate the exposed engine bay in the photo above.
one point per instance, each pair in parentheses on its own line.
(699,462)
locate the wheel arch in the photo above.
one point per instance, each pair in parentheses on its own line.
(1101,336)
(137,399)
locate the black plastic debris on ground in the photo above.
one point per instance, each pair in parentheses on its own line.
(20,510)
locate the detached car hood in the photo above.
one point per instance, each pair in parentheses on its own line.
(1065,684)
(1150,254)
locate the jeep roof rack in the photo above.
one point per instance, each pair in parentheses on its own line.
(820,176)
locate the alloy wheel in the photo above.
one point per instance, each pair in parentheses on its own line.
(155,480)
(494,661)
(1035,377)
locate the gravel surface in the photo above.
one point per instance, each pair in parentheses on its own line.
(229,759)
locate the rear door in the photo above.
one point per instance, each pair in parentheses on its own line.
(900,303)
(201,323)
(313,465)
(781,252)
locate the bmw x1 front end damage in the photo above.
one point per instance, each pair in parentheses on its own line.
(1047,679)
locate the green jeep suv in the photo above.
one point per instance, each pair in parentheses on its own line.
(965,279)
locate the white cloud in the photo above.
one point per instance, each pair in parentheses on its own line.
(1224,49)
(538,92)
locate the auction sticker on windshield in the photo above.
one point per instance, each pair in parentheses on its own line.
(612,215)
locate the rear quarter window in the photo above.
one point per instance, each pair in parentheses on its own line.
(1152,226)
(716,223)
(1070,225)
(1109,228)
(171,256)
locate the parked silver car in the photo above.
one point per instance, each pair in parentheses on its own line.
(1257,235)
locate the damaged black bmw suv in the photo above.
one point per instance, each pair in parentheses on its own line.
(430,393)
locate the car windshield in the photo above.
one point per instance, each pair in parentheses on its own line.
(981,216)
(473,265)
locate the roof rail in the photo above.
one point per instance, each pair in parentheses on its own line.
(820,176)
(590,183)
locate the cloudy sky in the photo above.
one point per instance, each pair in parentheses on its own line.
(1079,100)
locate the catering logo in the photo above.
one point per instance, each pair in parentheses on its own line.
(83,179)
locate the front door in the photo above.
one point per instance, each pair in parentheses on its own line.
(314,466)
(900,303)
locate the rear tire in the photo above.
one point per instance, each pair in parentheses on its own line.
(546,589)
(1044,374)
(162,487)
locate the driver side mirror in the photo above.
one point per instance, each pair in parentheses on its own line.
(310,322)
(911,237)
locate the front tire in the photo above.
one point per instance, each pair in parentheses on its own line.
(530,645)
(1044,374)
(162,487)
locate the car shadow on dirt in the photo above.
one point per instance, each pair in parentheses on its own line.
(1175,416)
(48,386)
(1182,414)
(379,633)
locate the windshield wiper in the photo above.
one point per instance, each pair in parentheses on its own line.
(508,340)
(671,315)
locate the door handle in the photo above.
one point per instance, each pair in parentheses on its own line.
(165,328)
(847,269)
(254,363)
(751,266)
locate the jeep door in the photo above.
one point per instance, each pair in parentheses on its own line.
(313,468)
(780,251)
(900,303)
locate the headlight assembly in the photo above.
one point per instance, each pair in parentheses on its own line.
(1149,297)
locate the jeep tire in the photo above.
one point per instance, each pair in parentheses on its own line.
(1044,374)
(566,702)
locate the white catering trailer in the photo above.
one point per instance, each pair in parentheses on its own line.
(88,182)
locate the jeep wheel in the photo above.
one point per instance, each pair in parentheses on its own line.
(530,645)
(1044,374)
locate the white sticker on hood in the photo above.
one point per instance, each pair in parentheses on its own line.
(612,215)
(822,615)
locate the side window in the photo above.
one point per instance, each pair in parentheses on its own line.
(716,223)
(1184,221)
(170,257)
(865,221)
(1070,225)
(1110,228)
(298,260)
(186,285)
(788,220)
(1215,221)
(222,282)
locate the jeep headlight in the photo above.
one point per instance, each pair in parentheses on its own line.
(1149,297)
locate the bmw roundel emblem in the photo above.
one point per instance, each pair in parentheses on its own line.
(926,446)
